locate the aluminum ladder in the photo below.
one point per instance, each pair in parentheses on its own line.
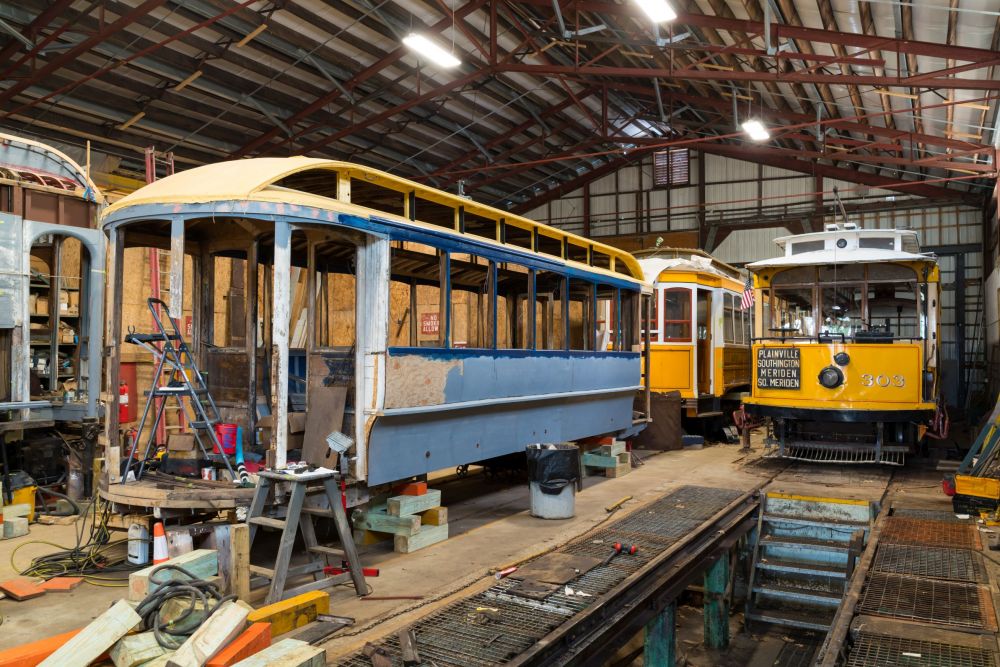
(299,517)
(184,381)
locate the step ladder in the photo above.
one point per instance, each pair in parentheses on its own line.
(183,380)
(297,518)
(803,558)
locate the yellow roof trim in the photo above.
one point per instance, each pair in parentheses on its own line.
(247,180)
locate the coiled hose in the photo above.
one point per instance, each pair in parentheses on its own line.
(203,600)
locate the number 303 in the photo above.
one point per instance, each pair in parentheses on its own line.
(868,380)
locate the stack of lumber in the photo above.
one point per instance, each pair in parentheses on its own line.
(414,519)
(235,635)
(609,460)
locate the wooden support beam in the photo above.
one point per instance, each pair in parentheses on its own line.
(280,304)
(402,506)
(176,268)
(286,615)
(212,636)
(287,653)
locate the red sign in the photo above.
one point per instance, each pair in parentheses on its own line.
(429,323)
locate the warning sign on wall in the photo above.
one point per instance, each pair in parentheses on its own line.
(430,323)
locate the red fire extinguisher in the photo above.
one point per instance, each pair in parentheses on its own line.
(122,403)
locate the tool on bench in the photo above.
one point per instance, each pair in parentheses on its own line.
(621,548)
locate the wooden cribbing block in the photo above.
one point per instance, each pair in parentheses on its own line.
(436,516)
(611,450)
(363,538)
(619,470)
(286,615)
(201,563)
(287,653)
(14,527)
(411,489)
(29,655)
(133,650)
(428,535)
(407,505)
(592,460)
(61,584)
(254,639)
(380,522)
(222,627)
(102,633)
(21,589)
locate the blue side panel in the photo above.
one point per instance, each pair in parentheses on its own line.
(486,374)
(403,446)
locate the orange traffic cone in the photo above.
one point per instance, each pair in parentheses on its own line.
(159,544)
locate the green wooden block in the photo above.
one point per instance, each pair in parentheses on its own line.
(201,563)
(403,505)
(611,450)
(592,460)
(381,522)
(425,537)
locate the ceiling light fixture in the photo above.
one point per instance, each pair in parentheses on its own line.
(428,49)
(756,130)
(659,11)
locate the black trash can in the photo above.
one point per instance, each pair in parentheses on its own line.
(553,470)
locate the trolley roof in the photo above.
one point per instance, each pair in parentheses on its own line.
(256,179)
(847,244)
(34,164)
(655,261)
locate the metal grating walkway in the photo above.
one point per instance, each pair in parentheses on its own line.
(932,562)
(457,636)
(870,650)
(949,534)
(945,603)
(934,515)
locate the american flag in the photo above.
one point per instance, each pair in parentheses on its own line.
(748,294)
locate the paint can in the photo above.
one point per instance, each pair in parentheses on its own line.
(208,474)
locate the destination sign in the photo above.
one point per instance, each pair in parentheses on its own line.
(778,368)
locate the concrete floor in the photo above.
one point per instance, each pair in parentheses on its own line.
(490,528)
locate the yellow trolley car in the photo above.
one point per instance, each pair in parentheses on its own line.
(699,332)
(846,345)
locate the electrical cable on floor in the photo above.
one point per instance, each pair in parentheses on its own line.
(99,561)
(203,600)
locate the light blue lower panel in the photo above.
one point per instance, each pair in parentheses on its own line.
(407,445)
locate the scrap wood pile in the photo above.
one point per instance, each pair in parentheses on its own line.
(178,615)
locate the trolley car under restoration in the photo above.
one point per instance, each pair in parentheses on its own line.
(699,332)
(430,330)
(845,345)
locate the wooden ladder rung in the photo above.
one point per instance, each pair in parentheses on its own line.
(318,511)
(261,571)
(328,551)
(268,521)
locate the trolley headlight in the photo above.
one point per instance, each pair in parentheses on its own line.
(831,377)
(842,358)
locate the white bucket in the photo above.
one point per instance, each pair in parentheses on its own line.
(560,505)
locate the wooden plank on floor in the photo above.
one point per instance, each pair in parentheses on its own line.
(99,636)
(427,536)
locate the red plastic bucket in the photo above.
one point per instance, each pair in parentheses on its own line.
(226,434)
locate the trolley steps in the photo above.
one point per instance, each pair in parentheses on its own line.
(803,556)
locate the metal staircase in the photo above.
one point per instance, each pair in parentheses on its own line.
(804,554)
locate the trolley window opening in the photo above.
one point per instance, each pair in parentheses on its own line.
(677,315)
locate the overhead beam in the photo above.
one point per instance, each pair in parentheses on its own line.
(385,61)
(784,30)
(749,75)
(81,48)
(41,21)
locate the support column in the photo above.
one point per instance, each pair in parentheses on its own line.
(177,270)
(660,639)
(716,604)
(280,304)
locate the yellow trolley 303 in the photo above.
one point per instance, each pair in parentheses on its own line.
(845,346)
